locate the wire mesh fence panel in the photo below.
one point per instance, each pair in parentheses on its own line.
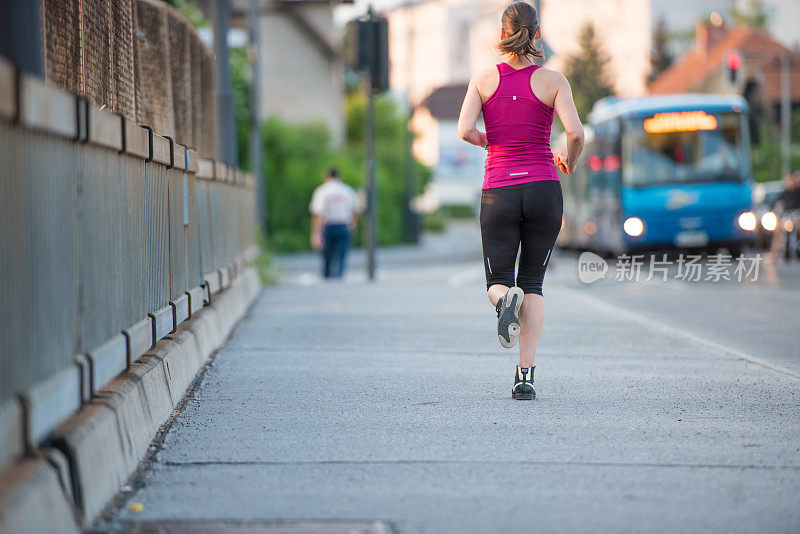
(153,83)
(124,93)
(177,238)
(131,247)
(194,271)
(204,236)
(107,295)
(40,257)
(63,65)
(96,44)
(156,233)
(14,287)
(216,201)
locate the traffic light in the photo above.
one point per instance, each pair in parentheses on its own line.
(734,63)
(368,48)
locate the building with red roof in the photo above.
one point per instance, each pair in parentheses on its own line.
(741,60)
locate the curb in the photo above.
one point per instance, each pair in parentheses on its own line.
(35,501)
(102,444)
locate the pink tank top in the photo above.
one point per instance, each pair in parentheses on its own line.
(518,131)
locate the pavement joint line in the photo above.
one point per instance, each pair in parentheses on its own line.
(432,353)
(671,330)
(268,463)
(401,350)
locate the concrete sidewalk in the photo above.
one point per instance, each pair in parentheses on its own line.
(391,401)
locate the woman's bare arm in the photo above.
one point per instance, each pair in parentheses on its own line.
(468,120)
(573,129)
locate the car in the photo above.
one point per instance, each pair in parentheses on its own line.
(765,195)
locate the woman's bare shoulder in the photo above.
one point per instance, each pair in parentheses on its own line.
(547,74)
(486,80)
(488,74)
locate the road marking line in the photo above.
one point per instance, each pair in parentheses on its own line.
(641,319)
(581,463)
(464,277)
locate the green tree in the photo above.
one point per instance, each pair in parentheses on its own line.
(297,155)
(190,10)
(587,72)
(753,14)
(241,78)
(767,156)
(660,57)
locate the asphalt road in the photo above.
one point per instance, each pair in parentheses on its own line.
(661,407)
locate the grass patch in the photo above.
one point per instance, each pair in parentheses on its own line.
(265,265)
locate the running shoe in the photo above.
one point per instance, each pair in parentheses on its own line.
(508,317)
(523,385)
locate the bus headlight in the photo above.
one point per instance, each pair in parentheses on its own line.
(633,226)
(769,221)
(747,221)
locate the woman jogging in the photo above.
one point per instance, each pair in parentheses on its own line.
(521,203)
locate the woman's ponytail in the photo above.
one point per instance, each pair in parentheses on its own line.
(520,21)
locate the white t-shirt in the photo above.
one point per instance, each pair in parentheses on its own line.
(335,201)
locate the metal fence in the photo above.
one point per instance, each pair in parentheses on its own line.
(111,234)
(139,58)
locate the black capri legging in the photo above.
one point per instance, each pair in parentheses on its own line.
(529,214)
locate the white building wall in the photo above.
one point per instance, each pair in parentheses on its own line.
(784,15)
(623,26)
(418,49)
(299,82)
(437,43)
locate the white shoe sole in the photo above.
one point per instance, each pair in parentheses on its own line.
(513,328)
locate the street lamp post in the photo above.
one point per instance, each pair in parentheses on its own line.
(226,122)
(255,117)
(373,62)
(371,231)
(785,115)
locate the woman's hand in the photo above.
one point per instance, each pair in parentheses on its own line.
(561,162)
(484,143)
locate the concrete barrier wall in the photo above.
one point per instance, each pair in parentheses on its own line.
(68,483)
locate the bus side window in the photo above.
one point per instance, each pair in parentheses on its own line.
(603,142)
(614,174)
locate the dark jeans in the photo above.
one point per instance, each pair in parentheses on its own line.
(334,251)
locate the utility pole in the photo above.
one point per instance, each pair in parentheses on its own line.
(226,125)
(256,142)
(371,234)
(412,220)
(411,216)
(21,37)
(785,115)
(370,57)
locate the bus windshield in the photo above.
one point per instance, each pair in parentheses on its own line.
(686,147)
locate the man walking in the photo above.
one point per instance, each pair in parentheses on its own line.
(334,211)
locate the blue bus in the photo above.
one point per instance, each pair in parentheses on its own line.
(662,172)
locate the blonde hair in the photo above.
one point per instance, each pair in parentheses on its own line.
(520,21)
